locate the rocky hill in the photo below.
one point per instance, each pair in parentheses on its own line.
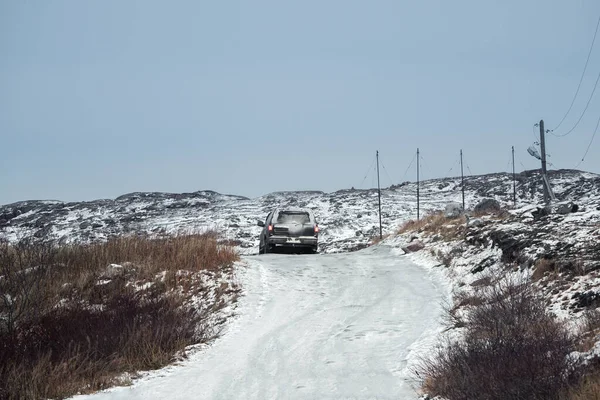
(348,218)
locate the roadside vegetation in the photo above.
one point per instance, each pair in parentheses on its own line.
(436,224)
(512,348)
(79,318)
(505,342)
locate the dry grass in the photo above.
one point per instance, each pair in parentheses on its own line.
(590,329)
(543,266)
(496,215)
(428,223)
(376,239)
(587,389)
(436,224)
(71,322)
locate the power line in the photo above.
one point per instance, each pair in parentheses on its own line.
(522,165)
(409,165)
(369,170)
(428,170)
(582,75)
(386,172)
(534,134)
(589,145)
(509,160)
(583,113)
(451,168)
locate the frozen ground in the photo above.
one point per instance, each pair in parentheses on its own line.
(333,326)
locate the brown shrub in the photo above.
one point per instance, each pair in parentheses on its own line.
(72,324)
(589,330)
(588,388)
(512,349)
(542,267)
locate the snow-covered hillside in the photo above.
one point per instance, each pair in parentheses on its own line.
(348,218)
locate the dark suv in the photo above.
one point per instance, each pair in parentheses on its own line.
(288,228)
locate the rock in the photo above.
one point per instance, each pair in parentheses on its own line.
(540,212)
(114,270)
(475,222)
(586,299)
(453,210)
(413,246)
(487,206)
(566,208)
(10,214)
(84,225)
(486,281)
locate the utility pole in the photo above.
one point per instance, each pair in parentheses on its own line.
(462,180)
(544,172)
(514,180)
(379,196)
(418,162)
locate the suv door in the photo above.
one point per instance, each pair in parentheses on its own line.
(262,244)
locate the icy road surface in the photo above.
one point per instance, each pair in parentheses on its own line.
(335,326)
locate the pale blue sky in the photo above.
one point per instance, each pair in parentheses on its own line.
(101,98)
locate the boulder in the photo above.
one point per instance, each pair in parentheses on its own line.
(453,210)
(487,206)
(566,208)
(540,212)
(413,246)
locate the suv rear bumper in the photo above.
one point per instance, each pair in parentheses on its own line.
(300,241)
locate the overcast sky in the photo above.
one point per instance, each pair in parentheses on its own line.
(102,98)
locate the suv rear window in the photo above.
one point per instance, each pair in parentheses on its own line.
(298,217)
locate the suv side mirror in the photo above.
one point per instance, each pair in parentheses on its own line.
(261,223)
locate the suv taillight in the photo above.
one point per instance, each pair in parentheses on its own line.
(270,229)
(316,229)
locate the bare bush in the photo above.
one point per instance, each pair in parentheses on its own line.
(24,270)
(589,330)
(72,323)
(512,349)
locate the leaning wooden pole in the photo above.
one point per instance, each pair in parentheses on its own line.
(544,172)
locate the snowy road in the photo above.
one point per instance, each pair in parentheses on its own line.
(330,326)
